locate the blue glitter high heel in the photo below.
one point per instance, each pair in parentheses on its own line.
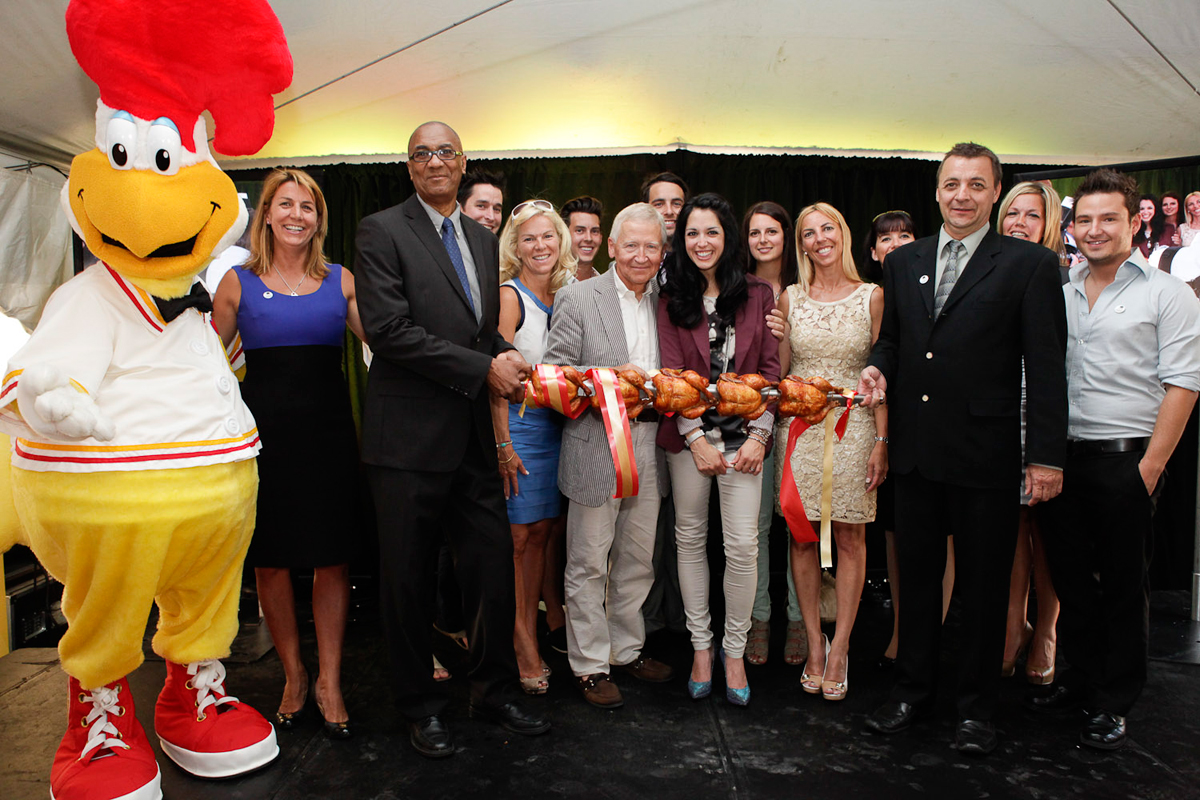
(698,690)
(737,697)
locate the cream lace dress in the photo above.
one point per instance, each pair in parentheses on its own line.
(831,340)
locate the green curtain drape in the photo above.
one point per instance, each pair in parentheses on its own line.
(859,187)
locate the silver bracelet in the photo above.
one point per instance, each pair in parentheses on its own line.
(883,439)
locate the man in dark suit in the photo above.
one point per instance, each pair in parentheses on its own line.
(962,310)
(429,300)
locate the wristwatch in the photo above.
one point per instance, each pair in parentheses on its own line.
(693,437)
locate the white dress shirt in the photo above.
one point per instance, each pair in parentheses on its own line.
(641,325)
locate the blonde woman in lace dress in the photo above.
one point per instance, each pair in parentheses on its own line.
(832,319)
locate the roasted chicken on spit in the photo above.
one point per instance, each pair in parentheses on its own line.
(741,395)
(682,392)
(575,390)
(632,387)
(807,398)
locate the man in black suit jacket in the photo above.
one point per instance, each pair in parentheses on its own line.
(429,300)
(953,382)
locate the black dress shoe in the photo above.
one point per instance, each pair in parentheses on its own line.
(557,639)
(511,717)
(431,738)
(1059,698)
(1103,731)
(975,737)
(893,717)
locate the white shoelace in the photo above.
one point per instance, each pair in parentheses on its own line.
(208,678)
(101,732)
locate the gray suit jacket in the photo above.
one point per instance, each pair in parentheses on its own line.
(586,331)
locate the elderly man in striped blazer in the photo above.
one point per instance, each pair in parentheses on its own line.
(606,322)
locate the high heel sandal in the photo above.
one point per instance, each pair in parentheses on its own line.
(1041,677)
(334,731)
(1009,668)
(836,690)
(698,690)
(535,685)
(289,720)
(810,683)
(737,697)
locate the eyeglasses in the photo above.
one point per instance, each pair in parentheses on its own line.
(445,154)
(544,205)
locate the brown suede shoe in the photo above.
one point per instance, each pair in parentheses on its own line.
(647,669)
(600,691)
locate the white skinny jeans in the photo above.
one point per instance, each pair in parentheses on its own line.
(740,496)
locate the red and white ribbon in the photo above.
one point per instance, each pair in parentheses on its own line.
(616,424)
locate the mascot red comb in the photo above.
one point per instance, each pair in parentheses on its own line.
(133,456)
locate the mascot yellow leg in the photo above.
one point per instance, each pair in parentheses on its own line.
(120,541)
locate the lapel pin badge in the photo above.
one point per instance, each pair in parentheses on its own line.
(924,279)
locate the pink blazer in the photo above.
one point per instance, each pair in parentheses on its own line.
(687,348)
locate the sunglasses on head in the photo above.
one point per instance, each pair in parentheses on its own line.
(544,205)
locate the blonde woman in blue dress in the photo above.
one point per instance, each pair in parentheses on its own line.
(535,262)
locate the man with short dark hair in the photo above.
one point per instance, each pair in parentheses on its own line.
(963,310)
(481,196)
(429,302)
(1133,372)
(667,192)
(582,215)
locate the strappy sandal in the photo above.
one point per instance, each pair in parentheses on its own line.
(759,641)
(812,683)
(836,690)
(795,648)
(440,673)
(538,684)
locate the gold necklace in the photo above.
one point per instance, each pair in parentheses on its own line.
(295,292)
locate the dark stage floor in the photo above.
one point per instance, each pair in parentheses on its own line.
(660,745)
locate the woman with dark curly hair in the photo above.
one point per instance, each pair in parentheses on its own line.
(712,319)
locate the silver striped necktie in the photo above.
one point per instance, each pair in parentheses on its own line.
(949,276)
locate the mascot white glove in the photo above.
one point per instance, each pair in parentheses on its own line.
(53,407)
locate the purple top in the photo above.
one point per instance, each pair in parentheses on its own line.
(267,318)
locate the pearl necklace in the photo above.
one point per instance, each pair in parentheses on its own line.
(295,291)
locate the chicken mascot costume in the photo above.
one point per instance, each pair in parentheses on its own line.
(133,460)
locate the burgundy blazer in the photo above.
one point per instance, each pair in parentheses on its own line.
(687,348)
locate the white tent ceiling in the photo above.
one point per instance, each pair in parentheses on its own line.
(1058,81)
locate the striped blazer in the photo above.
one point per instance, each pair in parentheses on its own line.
(586,331)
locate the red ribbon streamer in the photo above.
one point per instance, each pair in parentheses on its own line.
(550,391)
(789,496)
(616,424)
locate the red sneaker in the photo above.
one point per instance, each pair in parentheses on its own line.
(205,731)
(104,755)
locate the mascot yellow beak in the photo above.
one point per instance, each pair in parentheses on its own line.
(157,230)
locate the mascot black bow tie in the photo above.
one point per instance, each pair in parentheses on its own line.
(197,298)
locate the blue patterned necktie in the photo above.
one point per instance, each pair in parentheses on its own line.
(949,276)
(451,243)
